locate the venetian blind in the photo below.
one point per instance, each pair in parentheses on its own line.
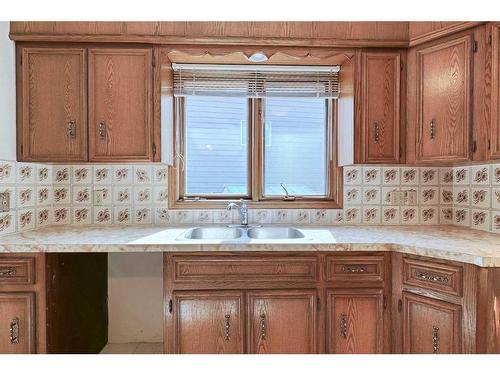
(256,81)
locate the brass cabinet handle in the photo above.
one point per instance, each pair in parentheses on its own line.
(72,129)
(376,133)
(432,129)
(14,331)
(8,271)
(435,340)
(263,326)
(343,326)
(227,326)
(429,276)
(353,268)
(102,130)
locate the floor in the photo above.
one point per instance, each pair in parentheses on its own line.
(134,348)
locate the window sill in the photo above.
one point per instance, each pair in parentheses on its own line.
(274,204)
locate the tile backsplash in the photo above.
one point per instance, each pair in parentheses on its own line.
(43,194)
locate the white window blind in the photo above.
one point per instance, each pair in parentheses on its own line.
(256,81)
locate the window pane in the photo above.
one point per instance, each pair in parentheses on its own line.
(216,145)
(295,151)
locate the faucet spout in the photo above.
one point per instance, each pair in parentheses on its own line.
(242,210)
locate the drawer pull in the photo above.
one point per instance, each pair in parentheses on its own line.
(435,340)
(14,331)
(352,268)
(432,129)
(376,133)
(263,326)
(72,129)
(8,272)
(343,326)
(102,130)
(227,326)
(429,276)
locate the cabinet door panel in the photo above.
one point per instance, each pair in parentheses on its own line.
(17,331)
(120,102)
(208,322)
(444,115)
(355,321)
(380,90)
(495,92)
(430,326)
(54,119)
(282,322)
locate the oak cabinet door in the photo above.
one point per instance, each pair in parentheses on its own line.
(208,322)
(282,322)
(355,321)
(380,105)
(120,104)
(444,100)
(430,326)
(54,113)
(495,92)
(17,324)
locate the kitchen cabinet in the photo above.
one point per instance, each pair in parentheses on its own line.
(443,84)
(282,322)
(120,104)
(17,323)
(209,322)
(380,107)
(53,303)
(430,325)
(355,321)
(494,136)
(52,123)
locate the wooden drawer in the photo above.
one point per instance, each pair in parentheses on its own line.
(17,270)
(244,268)
(439,277)
(355,268)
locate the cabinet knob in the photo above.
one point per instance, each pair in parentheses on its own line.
(14,331)
(102,130)
(227,327)
(263,326)
(435,340)
(71,129)
(432,129)
(376,132)
(343,326)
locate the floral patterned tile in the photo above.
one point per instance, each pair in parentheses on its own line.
(44,195)
(461,195)
(82,215)
(26,219)
(372,195)
(353,176)
(352,215)
(44,174)
(281,216)
(203,217)
(261,216)
(320,216)
(160,195)
(390,215)
(82,195)
(144,215)
(7,172)
(371,215)
(391,176)
(163,216)
(480,175)
(26,173)
(446,195)
(480,219)
(103,215)
(8,222)
(301,216)
(480,197)
(122,215)
(409,176)
(122,195)
(495,174)
(183,216)
(429,215)
(61,174)
(62,215)
(337,217)
(495,221)
(429,195)
(143,175)
(446,176)
(143,195)
(160,175)
(25,196)
(461,216)
(409,215)
(461,175)
(352,195)
(372,176)
(222,217)
(44,216)
(495,198)
(445,215)
(103,175)
(82,175)
(429,176)
(61,195)
(122,175)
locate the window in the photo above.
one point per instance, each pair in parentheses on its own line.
(264,138)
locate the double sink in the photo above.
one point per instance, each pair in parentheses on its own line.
(242,233)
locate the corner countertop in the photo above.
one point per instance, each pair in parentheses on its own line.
(442,242)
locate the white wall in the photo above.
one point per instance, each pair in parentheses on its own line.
(7,95)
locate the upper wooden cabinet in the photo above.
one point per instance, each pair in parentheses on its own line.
(120,104)
(53,118)
(494,135)
(443,105)
(54,124)
(380,107)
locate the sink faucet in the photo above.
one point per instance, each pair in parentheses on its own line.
(242,209)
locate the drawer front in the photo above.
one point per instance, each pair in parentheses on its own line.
(234,268)
(439,277)
(17,270)
(355,268)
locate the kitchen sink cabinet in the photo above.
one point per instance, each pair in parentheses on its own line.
(17,323)
(355,321)
(379,107)
(56,125)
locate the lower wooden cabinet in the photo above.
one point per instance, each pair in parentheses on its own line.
(355,321)
(17,323)
(209,322)
(281,322)
(430,325)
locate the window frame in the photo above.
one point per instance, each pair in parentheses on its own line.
(256,198)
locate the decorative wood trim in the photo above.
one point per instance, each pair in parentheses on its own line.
(442,32)
(494,134)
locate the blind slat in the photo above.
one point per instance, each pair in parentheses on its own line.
(252,81)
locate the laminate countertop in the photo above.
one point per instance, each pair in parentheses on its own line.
(442,242)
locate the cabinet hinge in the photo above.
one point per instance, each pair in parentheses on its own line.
(318,303)
(385,302)
(474,46)
(400,305)
(170,306)
(473,146)
(154,149)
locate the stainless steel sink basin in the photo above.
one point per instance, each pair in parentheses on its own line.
(213,233)
(275,233)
